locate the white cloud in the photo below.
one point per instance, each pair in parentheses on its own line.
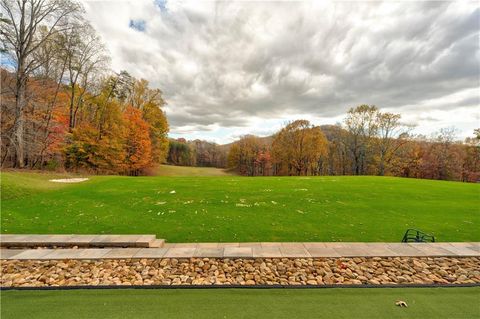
(225,67)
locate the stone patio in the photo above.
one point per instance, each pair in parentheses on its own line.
(252,250)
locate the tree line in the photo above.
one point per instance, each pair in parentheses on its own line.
(196,153)
(368,142)
(62,106)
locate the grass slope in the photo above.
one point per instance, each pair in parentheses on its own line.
(170,170)
(235,303)
(23,184)
(233,208)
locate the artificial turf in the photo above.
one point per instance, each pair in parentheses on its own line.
(234,208)
(244,303)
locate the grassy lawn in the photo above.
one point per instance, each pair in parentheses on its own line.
(236,303)
(170,170)
(233,208)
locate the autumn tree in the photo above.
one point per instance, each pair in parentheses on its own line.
(244,155)
(61,105)
(19,33)
(391,136)
(137,93)
(471,165)
(263,163)
(150,102)
(410,158)
(44,128)
(138,144)
(45,121)
(99,142)
(44,125)
(338,158)
(7,116)
(442,162)
(208,154)
(180,153)
(298,148)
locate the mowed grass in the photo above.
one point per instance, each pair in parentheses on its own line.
(170,170)
(234,208)
(243,303)
(22,184)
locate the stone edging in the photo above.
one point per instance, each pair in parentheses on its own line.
(360,271)
(240,286)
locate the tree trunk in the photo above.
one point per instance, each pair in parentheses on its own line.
(18,126)
(71,119)
(382,165)
(5,151)
(356,164)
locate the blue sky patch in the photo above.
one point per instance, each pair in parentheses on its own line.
(7,61)
(162,4)
(138,25)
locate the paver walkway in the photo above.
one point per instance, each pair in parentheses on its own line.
(254,250)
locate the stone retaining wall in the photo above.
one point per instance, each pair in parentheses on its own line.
(242,271)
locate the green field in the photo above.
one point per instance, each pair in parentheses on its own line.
(242,303)
(234,208)
(170,170)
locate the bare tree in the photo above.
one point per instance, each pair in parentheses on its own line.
(361,125)
(442,152)
(19,32)
(51,73)
(86,58)
(390,137)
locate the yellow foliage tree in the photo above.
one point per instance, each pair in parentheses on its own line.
(298,148)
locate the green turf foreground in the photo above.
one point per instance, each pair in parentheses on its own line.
(242,209)
(244,303)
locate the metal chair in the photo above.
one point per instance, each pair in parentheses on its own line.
(417,236)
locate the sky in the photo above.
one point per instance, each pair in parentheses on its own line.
(227,69)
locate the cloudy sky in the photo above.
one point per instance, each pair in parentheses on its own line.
(232,68)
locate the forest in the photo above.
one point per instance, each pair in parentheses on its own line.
(64,108)
(368,142)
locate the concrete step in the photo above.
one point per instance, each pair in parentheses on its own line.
(157,243)
(21,241)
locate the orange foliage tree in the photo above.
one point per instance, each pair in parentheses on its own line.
(138,144)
